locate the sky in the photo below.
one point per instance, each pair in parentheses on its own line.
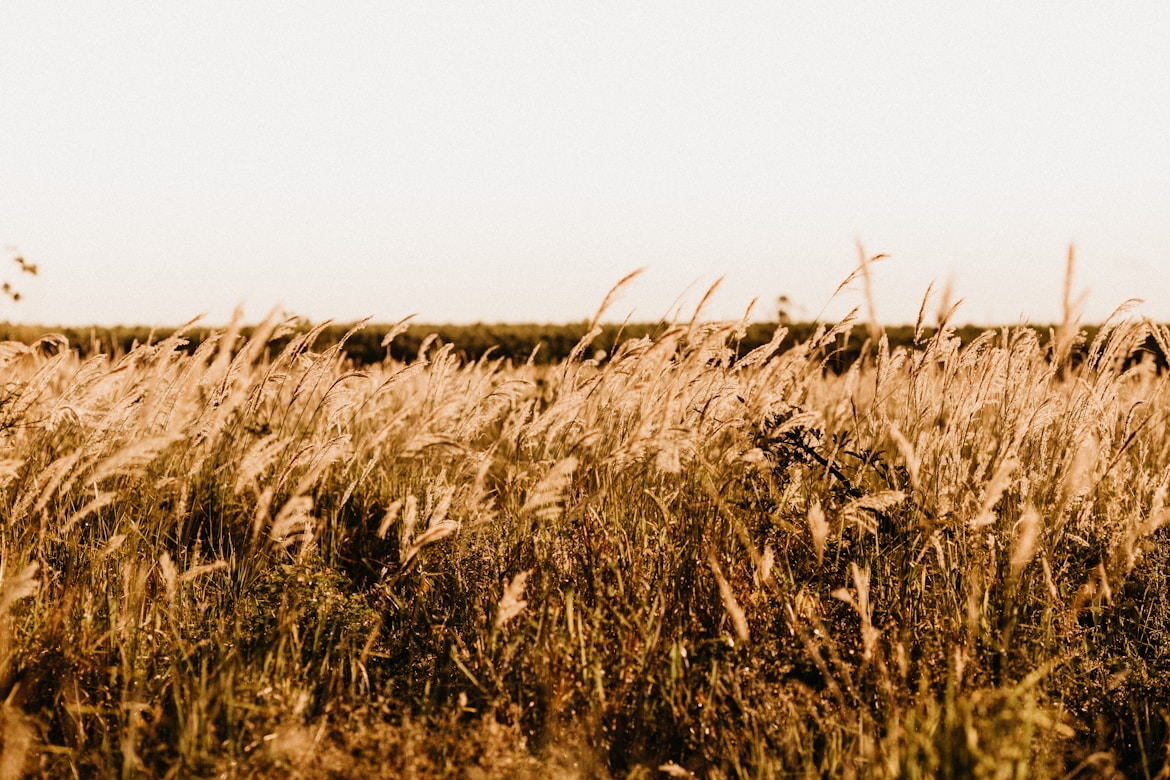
(511,161)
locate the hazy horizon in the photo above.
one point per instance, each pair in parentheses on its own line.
(511,162)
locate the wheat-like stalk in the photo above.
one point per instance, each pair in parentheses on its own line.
(249,555)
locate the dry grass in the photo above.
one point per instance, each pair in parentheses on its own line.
(945,562)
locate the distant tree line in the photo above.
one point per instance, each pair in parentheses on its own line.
(518,343)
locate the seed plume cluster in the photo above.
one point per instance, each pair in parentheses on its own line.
(676,559)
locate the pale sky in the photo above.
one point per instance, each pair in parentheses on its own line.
(505,161)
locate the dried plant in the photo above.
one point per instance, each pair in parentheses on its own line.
(248,558)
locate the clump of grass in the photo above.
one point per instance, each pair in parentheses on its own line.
(674,560)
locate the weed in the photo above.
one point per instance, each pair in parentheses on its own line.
(249,557)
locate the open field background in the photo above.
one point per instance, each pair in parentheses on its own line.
(252,556)
(520,343)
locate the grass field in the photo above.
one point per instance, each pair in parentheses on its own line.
(948,561)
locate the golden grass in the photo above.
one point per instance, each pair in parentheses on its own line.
(947,561)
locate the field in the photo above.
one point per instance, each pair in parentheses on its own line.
(681,558)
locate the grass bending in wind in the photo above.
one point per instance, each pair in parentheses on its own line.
(675,561)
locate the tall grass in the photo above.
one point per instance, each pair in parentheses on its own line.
(678,560)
